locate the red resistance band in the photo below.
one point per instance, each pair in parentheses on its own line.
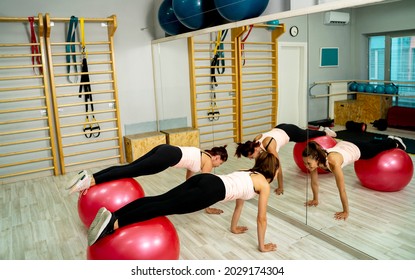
(243,41)
(34,47)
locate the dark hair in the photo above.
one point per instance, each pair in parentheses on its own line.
(315,151)
(246,149)
(219,151)
(267,164)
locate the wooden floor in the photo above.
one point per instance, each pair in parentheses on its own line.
(39,220)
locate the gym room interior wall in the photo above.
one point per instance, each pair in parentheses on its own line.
(132,45)
(320,35)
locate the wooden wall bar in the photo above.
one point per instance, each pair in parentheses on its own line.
(27,145)
(74,111)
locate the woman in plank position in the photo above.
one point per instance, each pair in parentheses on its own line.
(276,138)
(156,160)
(196,193)
(337,157)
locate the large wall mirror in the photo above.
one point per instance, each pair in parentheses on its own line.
(380,224)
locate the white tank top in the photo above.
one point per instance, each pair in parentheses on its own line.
(191,159)
(280,136)
(348,150)
(238,185)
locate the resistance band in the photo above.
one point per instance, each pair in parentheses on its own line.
(243,45)
(91,123)
(34,46)
(218,58)
(71,48)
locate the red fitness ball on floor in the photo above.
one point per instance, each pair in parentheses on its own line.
(325,142)
(154,239)
(389,171)
(111,195)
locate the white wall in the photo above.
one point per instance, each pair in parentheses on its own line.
(320,35)
(132,43)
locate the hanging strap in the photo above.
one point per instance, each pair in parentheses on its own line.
(71,48)
(91,124)
(218,55)
(82,27)
(34,46)
(243,45)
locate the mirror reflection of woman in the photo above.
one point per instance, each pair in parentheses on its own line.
(196,193)
(334,159)
(276,138)
(158,159)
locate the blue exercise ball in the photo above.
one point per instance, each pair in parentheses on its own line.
(370,88)
(353,86)
(380,89)
(195,14)
(168,20)
(234,10)
(361,87)
(272,24)
(391,89)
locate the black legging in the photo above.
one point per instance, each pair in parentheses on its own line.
(197,193)
(158,159)
(297,134)
(374,147)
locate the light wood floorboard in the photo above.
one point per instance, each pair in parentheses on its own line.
(39,220)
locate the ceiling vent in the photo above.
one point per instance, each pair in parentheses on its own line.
(336,18)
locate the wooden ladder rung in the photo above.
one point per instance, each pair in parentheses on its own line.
(23,131)
(22,99)
(17,110)
(92,151)
(17,55)
(25,172)
(89,142)
(87,113)
(84,123)
(91,161)
(85,133)
(25,152)
(25,162)
(33,140)
(88,83)
(8,67)
(21,88)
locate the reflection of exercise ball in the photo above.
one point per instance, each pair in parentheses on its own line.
(234,10)
(195,14)
(389,171)
(154,239)
(391,89)
(380,89)
(272,24)
(324,141)
(111,195)
(353,86)
(370,88)
(168,20)
(361,87)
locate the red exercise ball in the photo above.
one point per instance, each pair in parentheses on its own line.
(389,171)
(154,239)
(111,195)
(325,142)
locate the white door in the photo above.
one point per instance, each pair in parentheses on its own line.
(292,83)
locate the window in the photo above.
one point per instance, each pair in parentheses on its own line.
(392,58)
(377,58)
